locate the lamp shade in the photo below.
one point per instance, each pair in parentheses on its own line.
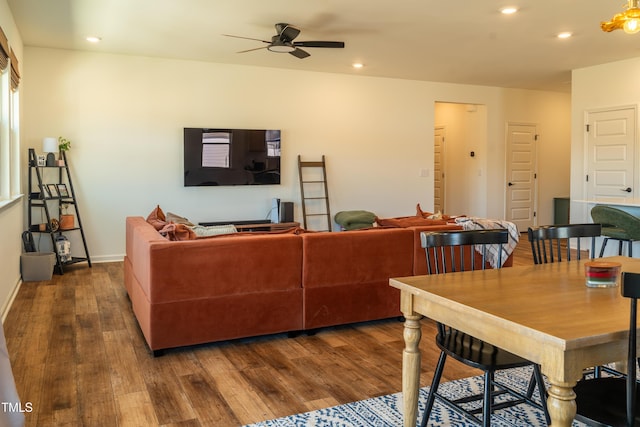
(50,145)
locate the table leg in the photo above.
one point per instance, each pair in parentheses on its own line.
(561,403)
(411,369)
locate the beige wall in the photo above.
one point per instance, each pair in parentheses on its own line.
(11,217)
(550,111)
(466,128)
(125,116)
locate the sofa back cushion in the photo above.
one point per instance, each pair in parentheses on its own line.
(350,257)
(225,265)
(139,235)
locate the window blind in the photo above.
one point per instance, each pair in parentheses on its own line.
(15,74)
(4,51)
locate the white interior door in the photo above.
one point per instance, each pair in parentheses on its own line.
(521,175)
(438,170)
(610,153)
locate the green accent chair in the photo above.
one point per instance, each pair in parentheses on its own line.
(617,225)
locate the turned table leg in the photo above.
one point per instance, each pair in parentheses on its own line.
(411,369)
(561,403)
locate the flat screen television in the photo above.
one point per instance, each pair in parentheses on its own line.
(215,157)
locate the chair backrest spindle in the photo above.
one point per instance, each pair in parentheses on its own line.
(555,236)
(460,246)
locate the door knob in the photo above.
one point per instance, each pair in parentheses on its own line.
(510,184)
(628,189)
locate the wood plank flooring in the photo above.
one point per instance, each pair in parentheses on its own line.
(79,357)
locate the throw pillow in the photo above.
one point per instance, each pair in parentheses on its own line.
(171,217)
(177,232)
(408,221)
(157,218)
(421,213)
(213,230)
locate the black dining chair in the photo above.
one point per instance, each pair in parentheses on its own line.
(613,401)
(449,251)
(550,241)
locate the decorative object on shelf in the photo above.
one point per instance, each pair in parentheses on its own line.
(628,21)
(63,247)
(50,146)
(42,160)
(54,224)
(63,145)
(62,190)
(52,190)
(67,220)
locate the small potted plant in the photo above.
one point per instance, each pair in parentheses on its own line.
(67,220)
(63,145)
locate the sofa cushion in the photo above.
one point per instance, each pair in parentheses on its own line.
(157,218)
(224,265)
(357,256)
(408,221)
(177,232)
(213,230)
(171,217)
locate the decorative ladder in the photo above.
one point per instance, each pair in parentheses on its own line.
(315,194)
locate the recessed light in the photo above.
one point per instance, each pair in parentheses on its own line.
(358,65)
(93,39)
(564,35)
(508,10)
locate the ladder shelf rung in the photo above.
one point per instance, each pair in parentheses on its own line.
(317,178)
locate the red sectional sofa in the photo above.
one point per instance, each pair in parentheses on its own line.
(241,285)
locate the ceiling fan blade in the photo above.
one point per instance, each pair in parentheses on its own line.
(246,38)
(287,32)
(319,44)
(299,53)
(251,50)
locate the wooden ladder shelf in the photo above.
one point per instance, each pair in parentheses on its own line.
(315,195)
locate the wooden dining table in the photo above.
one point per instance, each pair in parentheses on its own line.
(544,313)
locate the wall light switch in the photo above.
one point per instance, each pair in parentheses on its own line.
(424,173)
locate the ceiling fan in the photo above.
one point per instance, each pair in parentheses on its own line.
(283,42)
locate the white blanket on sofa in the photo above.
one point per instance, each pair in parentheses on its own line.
(473,223)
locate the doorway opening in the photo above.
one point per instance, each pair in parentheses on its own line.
(460,158)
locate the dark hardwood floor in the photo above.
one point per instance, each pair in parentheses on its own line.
(78,356)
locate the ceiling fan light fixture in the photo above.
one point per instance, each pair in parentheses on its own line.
(628,21)
(508,10)
(281,48)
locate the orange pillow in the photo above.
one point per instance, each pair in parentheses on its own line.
(157,218)
(408,221)
(173,231)
(421,213)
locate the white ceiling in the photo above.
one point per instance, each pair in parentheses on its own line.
(465,41)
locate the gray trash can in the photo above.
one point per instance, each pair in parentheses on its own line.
(37,266)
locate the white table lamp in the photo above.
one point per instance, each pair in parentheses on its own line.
(50,145)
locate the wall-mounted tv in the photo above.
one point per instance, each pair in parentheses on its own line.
(231,157)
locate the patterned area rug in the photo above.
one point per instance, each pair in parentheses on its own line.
(385,411)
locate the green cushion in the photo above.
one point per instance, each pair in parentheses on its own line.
(615,233)
(616,223)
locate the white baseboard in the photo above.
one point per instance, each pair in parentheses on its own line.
(5,309)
